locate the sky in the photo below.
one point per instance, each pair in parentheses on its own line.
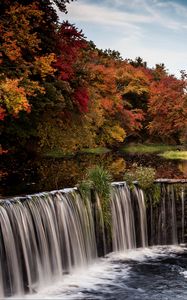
(155,30)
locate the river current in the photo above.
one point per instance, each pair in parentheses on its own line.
(158,273)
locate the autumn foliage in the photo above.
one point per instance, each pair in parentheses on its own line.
(168,107)
(58,90)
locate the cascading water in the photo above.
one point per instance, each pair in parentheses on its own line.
(42,237)
(143,217)
(100,226)
(167,217)
(182,219)
(47,235)
(123,223)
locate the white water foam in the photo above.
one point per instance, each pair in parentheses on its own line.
(103,273)
(72,286)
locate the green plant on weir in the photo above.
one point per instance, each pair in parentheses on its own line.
(144,175)
(99,180)
(130,177)
(84,188)
(178,187)
(153,193)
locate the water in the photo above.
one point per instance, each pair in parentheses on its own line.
(43,237)
(167,218)
(33,175)
(183,214)
(157,273)
(49,244)
(123,219)
(142,215)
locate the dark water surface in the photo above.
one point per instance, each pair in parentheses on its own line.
(24,176)
(158,273)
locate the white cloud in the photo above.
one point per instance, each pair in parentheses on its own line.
(119,13)
(174,61)
(152,29)
(105,15)
(109,18)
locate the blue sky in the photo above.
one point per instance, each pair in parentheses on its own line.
(156,30)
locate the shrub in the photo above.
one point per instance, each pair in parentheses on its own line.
(144,175)
(99,180)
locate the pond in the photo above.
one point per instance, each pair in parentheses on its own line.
(29,175)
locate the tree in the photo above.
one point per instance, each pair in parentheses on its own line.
(22,66)
(159,72)
(168,108)
(133,84)
(27,55)
(138,62)
(71,45)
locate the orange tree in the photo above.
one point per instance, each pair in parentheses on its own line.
(168,108)
(27,56)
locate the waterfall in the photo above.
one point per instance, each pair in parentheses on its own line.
(42,237)
(167,217)
(128,222)
(100,223)
(182,219)
(45,236)
(143,217)
(174,219)
(123,224)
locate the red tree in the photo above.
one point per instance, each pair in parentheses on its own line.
(168,107)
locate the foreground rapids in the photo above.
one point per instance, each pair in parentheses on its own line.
(158,273)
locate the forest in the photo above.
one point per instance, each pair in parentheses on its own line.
(58,91)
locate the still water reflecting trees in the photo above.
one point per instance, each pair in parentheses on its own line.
(22,176)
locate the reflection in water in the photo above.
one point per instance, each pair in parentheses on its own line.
(165,168)
(183,168)
(55,174)
(44,174)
